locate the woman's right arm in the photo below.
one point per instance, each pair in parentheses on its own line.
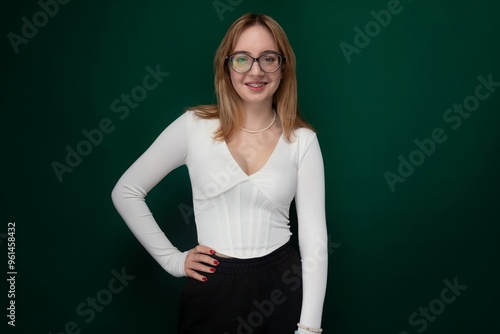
(167,152)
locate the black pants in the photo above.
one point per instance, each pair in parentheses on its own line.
(254,296)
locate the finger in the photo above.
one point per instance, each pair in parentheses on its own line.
(199,254)
(204,250)
(196,261)
(201,258)
(200,267)
(193,274)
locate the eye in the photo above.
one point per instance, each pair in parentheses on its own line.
(270,58)
(241,59)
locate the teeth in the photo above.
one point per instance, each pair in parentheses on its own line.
(255,85)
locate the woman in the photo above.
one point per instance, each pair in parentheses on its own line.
(248,157)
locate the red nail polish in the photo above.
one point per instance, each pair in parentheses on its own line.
(216,262)
(212,251)
(212,270)
(204,279)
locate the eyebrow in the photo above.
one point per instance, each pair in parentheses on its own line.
(248,53)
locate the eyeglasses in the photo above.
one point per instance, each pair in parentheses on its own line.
(269,62)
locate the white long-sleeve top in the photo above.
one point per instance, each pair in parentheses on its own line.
(239,215)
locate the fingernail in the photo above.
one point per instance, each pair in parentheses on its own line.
(212,251)
(204,279)
(212,270)
(216,262)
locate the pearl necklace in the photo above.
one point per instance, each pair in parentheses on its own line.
(262,130)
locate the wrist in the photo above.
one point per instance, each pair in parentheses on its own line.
(302,329)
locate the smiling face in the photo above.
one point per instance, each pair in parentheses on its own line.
(256,87)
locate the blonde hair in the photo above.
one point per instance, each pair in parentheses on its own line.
(229,105)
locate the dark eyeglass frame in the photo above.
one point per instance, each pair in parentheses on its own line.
(281,58)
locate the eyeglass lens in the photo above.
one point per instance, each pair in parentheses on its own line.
(241,62)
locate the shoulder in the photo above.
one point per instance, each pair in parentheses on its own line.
(190,113)
(303,136)
(304,133)
(195,122)
(305,142)
(194,112)
(193,115)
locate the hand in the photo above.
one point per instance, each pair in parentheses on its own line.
(198,260)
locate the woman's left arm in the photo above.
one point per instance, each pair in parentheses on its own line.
(312,232)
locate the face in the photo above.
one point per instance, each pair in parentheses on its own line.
(256,86)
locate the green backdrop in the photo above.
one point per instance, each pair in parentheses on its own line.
(404,96)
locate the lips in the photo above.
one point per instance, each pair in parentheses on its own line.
(256,86)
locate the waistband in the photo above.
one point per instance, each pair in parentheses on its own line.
(232,266)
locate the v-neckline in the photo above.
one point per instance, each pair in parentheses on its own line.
(263,166)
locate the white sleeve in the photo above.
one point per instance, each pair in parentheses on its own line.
(312,233)
(167,152)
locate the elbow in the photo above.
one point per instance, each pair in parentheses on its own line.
(125,190)
(117,193)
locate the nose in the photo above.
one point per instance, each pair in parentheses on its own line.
(255,69)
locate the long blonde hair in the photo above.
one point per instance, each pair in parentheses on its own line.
(229,104)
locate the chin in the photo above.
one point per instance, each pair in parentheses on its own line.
(257,100)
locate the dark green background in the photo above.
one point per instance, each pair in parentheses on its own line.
(390,251)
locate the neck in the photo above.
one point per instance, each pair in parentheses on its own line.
(256,117)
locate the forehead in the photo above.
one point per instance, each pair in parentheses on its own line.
(255,39)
